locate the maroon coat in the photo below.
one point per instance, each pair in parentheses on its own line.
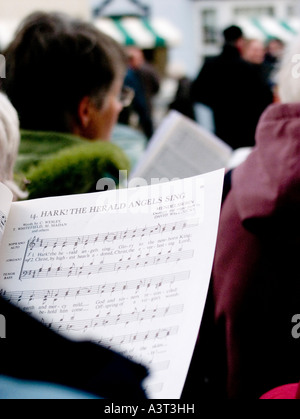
(256,275)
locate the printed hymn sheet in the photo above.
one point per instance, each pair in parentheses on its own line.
(127,269)
(181,148)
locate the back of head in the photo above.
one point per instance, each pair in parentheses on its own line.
(53,62)
(9,143)
(232,34)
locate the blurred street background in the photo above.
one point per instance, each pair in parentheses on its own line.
(176,36)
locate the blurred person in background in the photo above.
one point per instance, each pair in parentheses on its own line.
(254,51)
(65,79)
(143,78)
(182,98)
(274,53)
(147,72)
(233,90)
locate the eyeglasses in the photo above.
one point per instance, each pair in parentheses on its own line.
(126,96)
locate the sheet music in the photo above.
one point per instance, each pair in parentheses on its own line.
(6,198)
(181,148)
(127,269)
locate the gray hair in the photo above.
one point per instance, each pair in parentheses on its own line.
(9,145)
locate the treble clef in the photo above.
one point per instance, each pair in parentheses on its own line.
(32,243)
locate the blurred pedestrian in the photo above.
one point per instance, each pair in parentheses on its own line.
(182,100)
(254,51)
(143,78)
(274,53)
(233,90)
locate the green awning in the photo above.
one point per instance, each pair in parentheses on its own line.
(142,32)
(265,28)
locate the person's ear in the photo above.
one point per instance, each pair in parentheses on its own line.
(84,112)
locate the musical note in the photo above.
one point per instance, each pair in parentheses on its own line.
(93,269)
(139,337)
(75,271)
(109,237)
(137,285)
(112,320)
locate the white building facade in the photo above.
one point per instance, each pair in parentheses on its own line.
(14,11)
(191,28)
(201,23)
(260,19)
(18,9)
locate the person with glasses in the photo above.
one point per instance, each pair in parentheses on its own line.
(65,79)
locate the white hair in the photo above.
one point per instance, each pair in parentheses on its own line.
(9,145)
(288,77)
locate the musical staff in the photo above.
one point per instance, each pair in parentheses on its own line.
(139,337)
(88,270)
(129,270)
(75,241)
(62,293)
(113,320)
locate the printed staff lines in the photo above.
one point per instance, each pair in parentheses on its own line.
(58,294)
(88,270)
(75,241)
(139,337)
(112,320)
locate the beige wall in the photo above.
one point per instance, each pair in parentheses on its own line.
(18,9)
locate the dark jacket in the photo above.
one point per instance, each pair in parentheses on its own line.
(256,278)
(140,103)
(237,95)
(33,352)
(182,101)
